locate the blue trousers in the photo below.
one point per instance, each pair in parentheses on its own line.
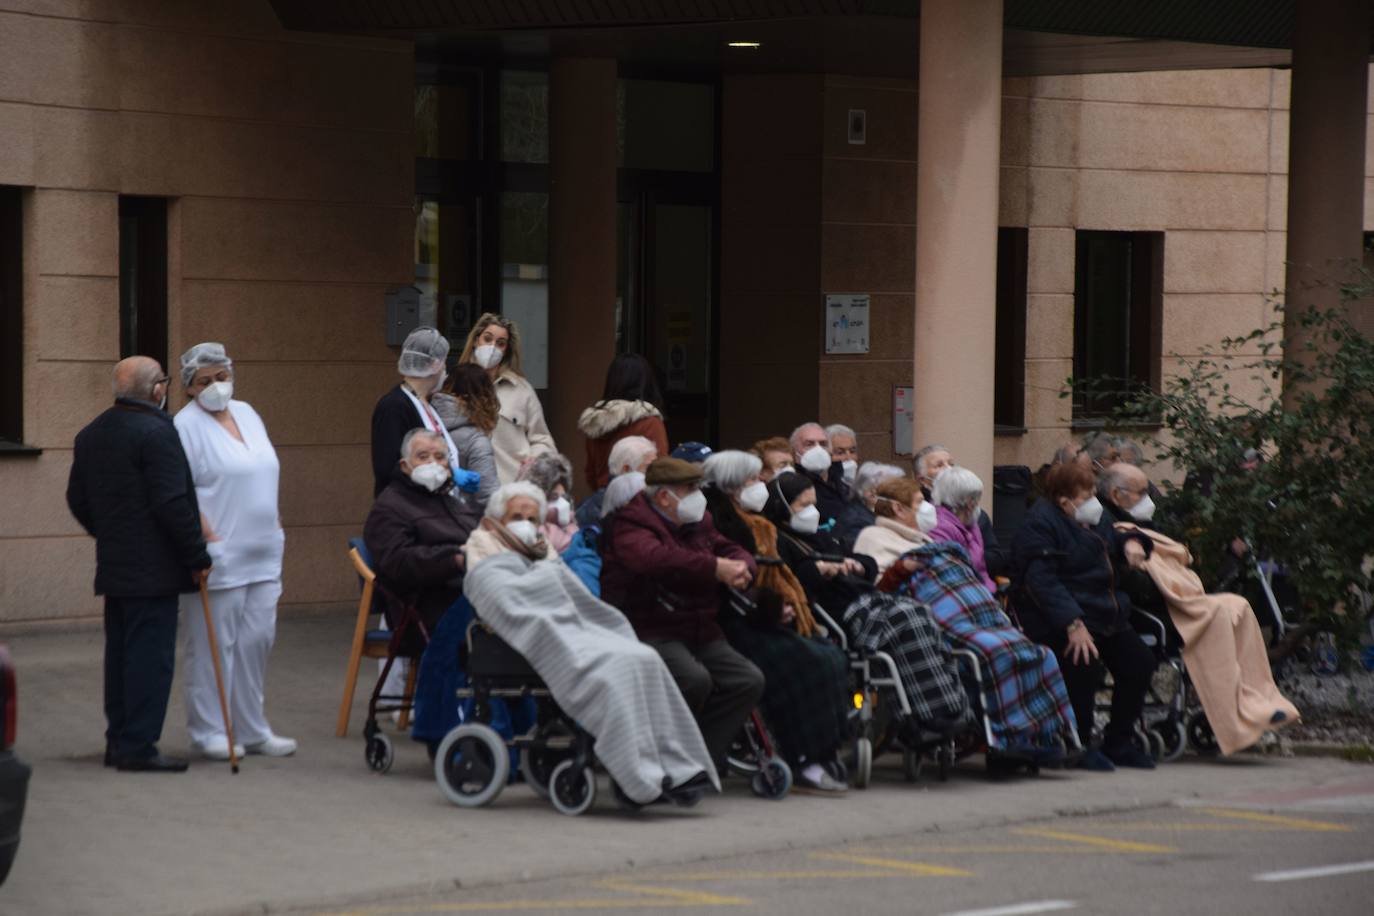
(140,654)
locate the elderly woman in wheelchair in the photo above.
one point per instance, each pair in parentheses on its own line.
(612,692)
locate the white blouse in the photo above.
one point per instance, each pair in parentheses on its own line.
(236,485)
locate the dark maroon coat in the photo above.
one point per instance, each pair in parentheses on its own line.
(663,576)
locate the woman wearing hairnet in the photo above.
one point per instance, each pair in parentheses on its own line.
(235,471)
(407,406)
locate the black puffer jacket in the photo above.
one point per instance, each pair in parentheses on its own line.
(1064,572)
(131,489)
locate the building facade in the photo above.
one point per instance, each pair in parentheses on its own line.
(173,172)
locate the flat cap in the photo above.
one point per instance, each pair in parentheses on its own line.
(672,472)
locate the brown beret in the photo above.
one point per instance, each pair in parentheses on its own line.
(672,472)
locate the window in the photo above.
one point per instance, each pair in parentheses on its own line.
(143,277)
(11,318)
(1009,372)
(1116,317)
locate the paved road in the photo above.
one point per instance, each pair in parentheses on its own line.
(319,829)
(1175,860)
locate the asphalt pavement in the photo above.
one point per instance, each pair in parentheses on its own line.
(319,831)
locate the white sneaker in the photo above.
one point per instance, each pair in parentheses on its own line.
(217,748)
(275,746)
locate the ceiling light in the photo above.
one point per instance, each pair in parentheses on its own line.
(744,44)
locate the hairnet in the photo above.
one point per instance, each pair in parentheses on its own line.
(423,353)
(201,356)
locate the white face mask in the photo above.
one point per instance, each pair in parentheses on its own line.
(926,517)
(524,531)
(1090,512)
(753,497)
(851,469)
(1144,510)
(785,469)
(487,356)
(815,459)
(562,510)
(691,508)
(215,397)
(806,521)
(430,476)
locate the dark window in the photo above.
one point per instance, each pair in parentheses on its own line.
(1009,372)
(11,317)
(1116,317)
(143,277)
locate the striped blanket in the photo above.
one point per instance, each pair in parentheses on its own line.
(615,686)
(1025,698)
(899,626)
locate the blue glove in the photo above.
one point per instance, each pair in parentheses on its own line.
(466,480)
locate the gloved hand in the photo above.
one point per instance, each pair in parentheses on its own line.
(466,480)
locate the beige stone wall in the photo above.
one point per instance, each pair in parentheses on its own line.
(289,161)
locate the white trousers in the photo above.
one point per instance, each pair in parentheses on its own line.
(245,626)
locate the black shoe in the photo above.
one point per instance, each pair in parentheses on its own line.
(109,757)
(154,764)
(1130,756)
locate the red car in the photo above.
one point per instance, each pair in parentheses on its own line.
(14,773)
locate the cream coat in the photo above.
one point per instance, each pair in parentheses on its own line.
(886,541)
(521,432)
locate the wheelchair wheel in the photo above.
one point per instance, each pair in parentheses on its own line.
(572,789)
(1200,734)
(538,763)
(1173,740)
(863,763)
(472,765)
(773,780)
(911,765)
(379,753)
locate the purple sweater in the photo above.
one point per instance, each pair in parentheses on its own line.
(950,528)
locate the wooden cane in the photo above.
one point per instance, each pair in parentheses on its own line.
(219,675)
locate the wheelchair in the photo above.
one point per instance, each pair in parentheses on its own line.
(472,763)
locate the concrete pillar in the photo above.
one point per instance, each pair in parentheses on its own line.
(582,243)
(957,165)
(1326,153)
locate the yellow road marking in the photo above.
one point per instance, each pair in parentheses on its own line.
(1097,841)
(1027,848)
(1292,823)
(724,876)
(685,897)
(1192,827)
(916,868)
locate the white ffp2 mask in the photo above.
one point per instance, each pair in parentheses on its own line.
(926,517)
(807,521)
(1090,512)
(216,396)
(562,511)
(815,459)
(524,531)
(753,497)
(430,476)
(487,356)
(691,508)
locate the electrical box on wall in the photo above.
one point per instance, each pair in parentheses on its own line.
(903,415)
(402,313)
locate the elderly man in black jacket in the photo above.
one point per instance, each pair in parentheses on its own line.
(131,489)
(416,531)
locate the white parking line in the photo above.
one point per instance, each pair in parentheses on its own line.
(1321,871)
(1017,909)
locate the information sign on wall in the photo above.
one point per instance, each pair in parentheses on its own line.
(846,323)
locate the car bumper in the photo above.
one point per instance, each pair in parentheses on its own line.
(14,790)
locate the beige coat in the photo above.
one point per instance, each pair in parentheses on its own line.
(886,541)
(521,432)
(1222,649)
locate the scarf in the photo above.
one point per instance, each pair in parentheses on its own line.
(539,550)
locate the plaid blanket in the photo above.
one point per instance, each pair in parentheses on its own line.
(806,700)
(1025,698)
(899,626)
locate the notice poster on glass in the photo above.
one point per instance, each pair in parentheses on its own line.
(846,322)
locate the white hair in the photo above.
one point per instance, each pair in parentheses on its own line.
(496,506)
(621,490)
(793,439)
(919,462)
(628,454)
(839,429)
(871,475)
(956,487)
(729,470)
(419,432)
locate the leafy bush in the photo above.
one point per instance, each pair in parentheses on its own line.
(1309,503)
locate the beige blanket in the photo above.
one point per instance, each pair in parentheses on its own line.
(1222,649)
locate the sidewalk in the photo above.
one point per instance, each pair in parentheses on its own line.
(320,828)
